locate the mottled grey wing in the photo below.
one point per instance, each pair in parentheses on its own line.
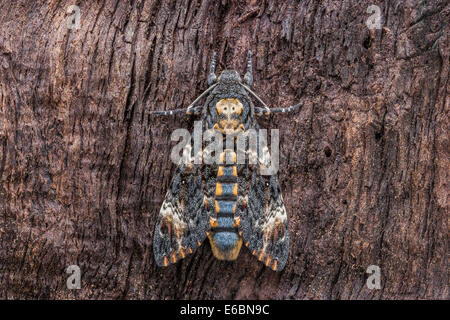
(183,219)
(263,222)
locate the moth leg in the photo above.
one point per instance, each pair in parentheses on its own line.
(288,109)
(261,111)
(168,112)
(191,110)
(248,77)
(265,112)
(212,69)
(194,110)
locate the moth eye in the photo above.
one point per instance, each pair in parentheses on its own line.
(267,184)
(183,181)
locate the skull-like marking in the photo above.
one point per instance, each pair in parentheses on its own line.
(229,113)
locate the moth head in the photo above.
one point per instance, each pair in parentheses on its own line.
(229,116)
(229,76)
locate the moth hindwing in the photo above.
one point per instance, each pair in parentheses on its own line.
(229,201)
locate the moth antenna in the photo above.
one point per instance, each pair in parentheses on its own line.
(248,78)
(190,110)
(267,110)
(212,69)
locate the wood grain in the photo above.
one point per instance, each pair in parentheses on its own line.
(84,167)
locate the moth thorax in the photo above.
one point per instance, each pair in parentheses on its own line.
(229,116)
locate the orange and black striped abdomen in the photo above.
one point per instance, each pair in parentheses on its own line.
(224,238)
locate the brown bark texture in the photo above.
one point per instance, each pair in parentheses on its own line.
(364,165)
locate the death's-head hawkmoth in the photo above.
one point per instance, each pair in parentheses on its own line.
(230,202)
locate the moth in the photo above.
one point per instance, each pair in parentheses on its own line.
(228,202)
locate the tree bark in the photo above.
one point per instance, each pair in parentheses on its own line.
(364,165)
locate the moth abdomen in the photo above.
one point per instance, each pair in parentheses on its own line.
(224,237)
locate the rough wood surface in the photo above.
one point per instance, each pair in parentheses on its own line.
(364,165)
